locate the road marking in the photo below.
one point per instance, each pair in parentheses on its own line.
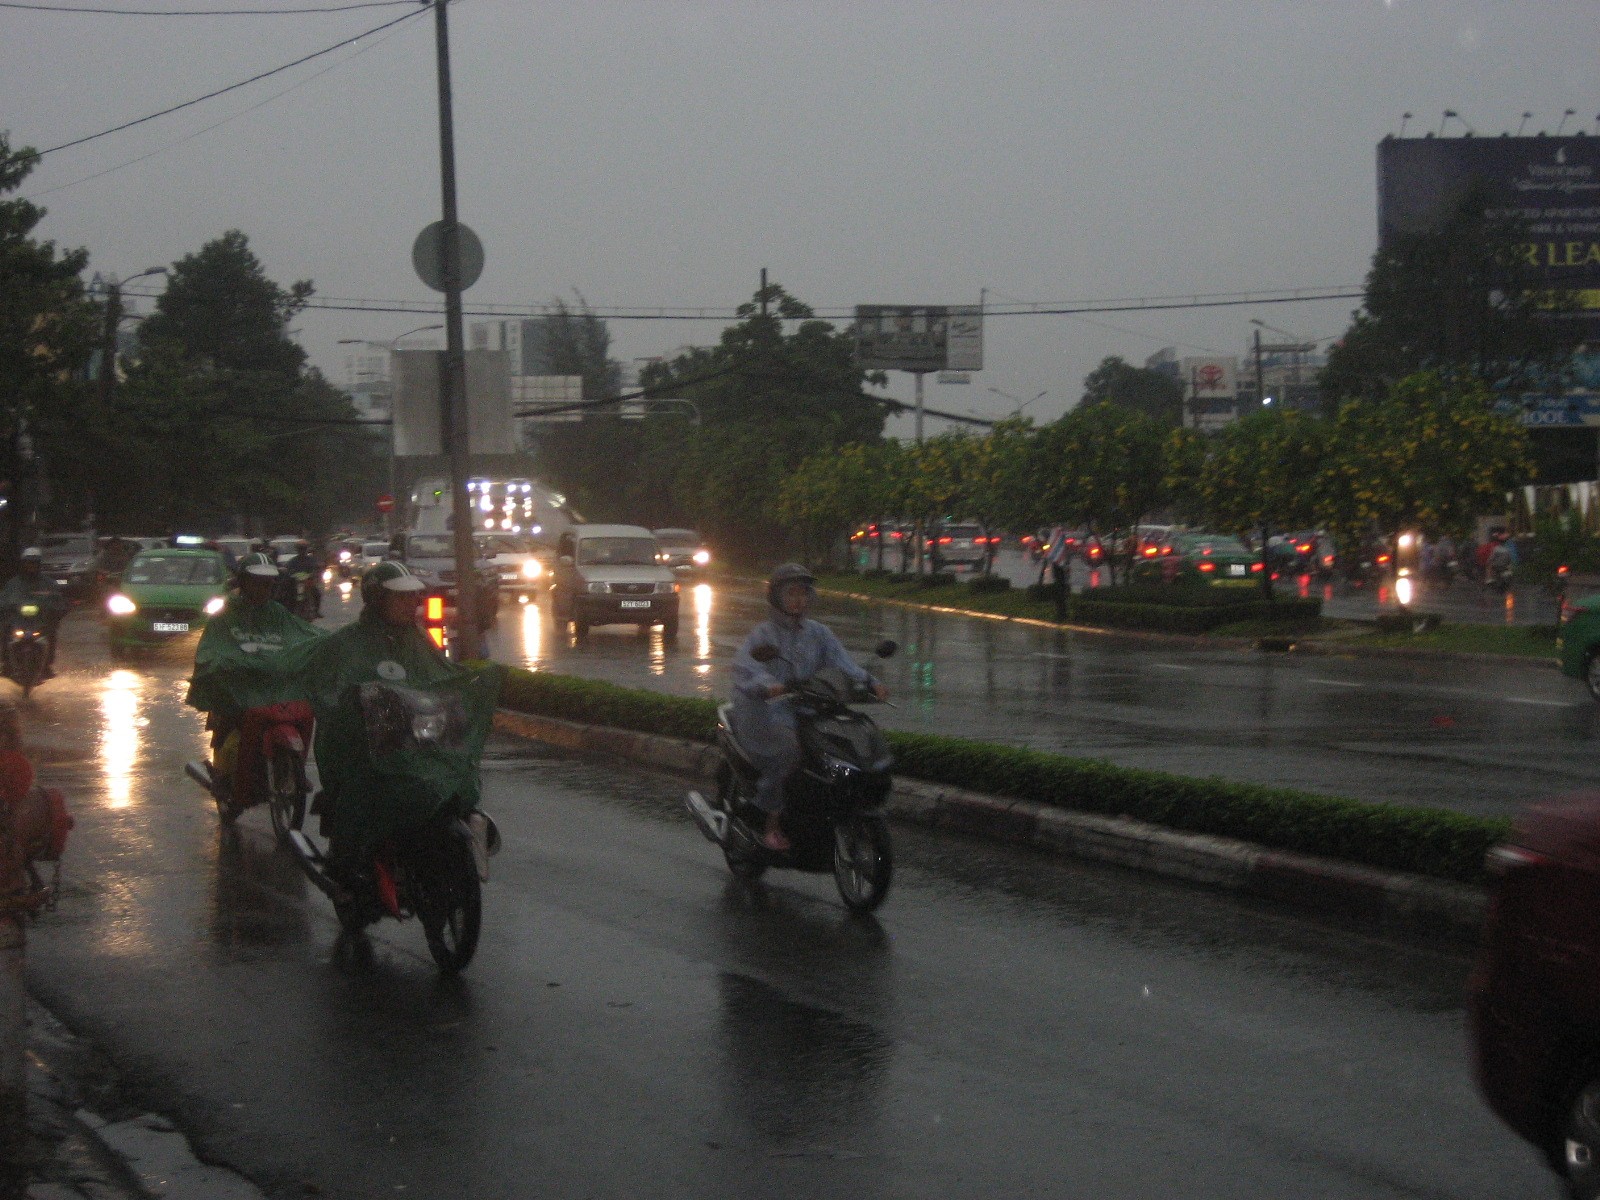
(1542,703)
(1335,682)
(1172,667)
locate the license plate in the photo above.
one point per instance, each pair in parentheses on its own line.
(1236,569)
(636,604)
(170,626)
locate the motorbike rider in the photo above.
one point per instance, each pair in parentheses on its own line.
(30,585)
(362,801)
(234,663)
(304,570)
(768,731)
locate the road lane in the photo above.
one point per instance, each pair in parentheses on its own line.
(636,1024)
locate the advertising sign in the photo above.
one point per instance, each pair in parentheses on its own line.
(964,343)
(1552,185)
(1212,378)
(902,337)
(491,428)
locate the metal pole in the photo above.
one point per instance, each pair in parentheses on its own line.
(918,375)
(453,382)
(13,1045)
(108,346)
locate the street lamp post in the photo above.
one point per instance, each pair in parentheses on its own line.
(108,345)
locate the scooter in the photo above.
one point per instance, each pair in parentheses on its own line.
(269,767)
(434,871)
(833,804)
(27,648)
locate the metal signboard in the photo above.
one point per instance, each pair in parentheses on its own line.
(892,337)
(964,343)
(1212,378)
(491,428)
(950,377)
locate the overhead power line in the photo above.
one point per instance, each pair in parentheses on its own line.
(214,12)
(410,16)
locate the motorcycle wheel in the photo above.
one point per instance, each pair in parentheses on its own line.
(285,798)
(28,667)
(741,861)
(863,862)
(450,905)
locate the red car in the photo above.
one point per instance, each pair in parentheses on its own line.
(1534,1004)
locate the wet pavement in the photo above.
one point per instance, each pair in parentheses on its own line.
(637,1024)
(1478,737)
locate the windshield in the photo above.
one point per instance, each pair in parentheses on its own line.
(419,546)
(961,531)
(374,549)
(63,547)
(170,568)
(504,543)
(1217,545)
(677,537)
(618,551)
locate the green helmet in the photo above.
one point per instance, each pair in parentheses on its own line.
(389,577)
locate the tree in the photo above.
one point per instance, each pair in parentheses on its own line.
(1430,455)
(1102,467)
(46,326)
(1462,300)
(219,311)
(1117,382)
(828,494)
(1257,472)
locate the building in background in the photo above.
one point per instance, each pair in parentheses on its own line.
(538,394)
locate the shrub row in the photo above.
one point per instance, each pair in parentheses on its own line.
(1431,842)
(1188,618)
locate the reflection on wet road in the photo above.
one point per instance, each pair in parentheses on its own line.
(636,1023)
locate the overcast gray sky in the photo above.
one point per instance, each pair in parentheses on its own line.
(660,153)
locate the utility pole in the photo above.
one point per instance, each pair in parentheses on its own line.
(1261,396)
(453,378)
(108,344)
(763,291)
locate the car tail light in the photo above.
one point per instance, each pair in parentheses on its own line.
(1150,551)
(944,541)
(1382,558)
(1208,566)
(1304,548)
(1256,567)
(1502,860)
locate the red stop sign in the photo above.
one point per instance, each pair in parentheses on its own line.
(385,503)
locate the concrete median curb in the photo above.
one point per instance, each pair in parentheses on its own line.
(1379,900)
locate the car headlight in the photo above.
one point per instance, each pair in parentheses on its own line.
(702,558)
(599,589)
(662,588)
(214,605)
(531,569)
(120,606)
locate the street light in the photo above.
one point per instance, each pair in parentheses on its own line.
(108,346)
(1018,400)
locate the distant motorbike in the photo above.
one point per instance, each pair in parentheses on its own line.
(27,648)
(833,808)
(269,766)
(433,871)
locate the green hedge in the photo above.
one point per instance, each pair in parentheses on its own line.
(1432,842)
(1168,617)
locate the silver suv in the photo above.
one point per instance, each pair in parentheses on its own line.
(613,575)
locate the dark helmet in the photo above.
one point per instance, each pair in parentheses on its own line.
(786,574)
(388,577)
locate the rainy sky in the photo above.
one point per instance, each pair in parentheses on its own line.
(655,155)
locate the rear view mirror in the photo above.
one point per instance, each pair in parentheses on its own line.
(764,653)
(886,648)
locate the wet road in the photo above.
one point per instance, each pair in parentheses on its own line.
(1479,738)
(635,1024)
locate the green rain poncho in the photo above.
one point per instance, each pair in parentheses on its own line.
(370,796)
(239,663)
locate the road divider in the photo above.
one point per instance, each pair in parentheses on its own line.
(1381,864)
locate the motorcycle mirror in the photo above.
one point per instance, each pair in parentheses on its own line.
(886,648)
(764,654)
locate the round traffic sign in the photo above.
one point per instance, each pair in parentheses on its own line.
(385,503)
(427,255)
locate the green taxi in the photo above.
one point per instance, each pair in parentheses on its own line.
(166,594)
(1197,558)
(1578,641)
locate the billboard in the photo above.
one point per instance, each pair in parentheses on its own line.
(1212,378)
(919,337)
(1552,185)
(491,428)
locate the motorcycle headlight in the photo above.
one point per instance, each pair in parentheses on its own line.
(599,589)
(214,605)
(120,606)
(531,569)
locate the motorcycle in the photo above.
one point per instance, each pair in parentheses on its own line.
(27,648)
(433,871)
(269,766)
(833,806)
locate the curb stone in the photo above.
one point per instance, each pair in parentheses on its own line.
(1381,900)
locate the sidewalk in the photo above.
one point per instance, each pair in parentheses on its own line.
(85,1142)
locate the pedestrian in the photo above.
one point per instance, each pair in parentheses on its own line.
(1058,558)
